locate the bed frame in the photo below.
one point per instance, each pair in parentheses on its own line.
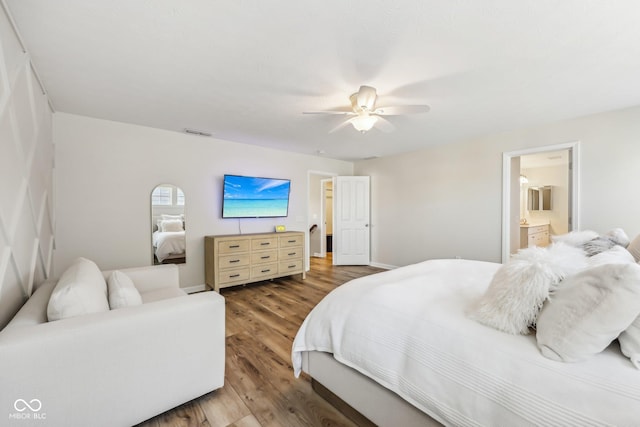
(359,397)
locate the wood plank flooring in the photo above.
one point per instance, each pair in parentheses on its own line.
(260,390)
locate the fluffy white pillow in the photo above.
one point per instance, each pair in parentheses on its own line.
(80,290)
(575,238)
(520,287)
(630,342)
(122,292)
(589,311)
(171,225)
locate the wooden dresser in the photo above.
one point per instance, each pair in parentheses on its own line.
(534,235)
(245,258)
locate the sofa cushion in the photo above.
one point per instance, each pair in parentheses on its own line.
(161,294)
(122,292)
(80,290)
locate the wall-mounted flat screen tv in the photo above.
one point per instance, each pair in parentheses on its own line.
(254,197)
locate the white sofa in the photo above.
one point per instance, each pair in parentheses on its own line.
(114,368)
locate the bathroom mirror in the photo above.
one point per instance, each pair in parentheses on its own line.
(539,198)
(168,225)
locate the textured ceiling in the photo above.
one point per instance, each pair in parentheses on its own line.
(245,70)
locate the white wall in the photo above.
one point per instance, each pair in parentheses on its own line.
(446,201)
(105,172)
(26,174)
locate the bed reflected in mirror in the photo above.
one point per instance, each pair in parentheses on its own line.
(168,225)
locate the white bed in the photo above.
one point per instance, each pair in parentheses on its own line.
(169,245)
(406,330)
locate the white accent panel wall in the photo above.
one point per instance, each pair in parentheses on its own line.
(105,172)
(446,201)
(26,177)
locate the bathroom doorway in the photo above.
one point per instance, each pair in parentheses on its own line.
(540,196)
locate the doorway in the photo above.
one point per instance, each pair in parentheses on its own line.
(540,191)
(320,213)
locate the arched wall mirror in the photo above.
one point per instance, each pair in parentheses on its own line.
(168,225)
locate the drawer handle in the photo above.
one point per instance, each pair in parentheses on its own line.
(234,275)
(233,260)
(291,241)
(234,246)
(266,271)
(265,244)
(292,266)
(265,257)
(291,253)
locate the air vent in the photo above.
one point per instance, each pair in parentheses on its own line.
(197,132)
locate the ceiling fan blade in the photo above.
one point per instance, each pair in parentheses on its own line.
(341,125)
(384,125)
(402,109)
(366,98)
(333,112)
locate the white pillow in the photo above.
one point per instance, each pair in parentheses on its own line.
(80,290)
(175,217)
(520,287)
(171,225)
(575,238)
(618,236)
(122,292)
(634,248)
(615,255)
(589,311)
(630,342)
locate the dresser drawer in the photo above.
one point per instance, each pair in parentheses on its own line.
(540,239)
(262,257)
(231,276)
(290,267)
(264,270)
(538,229)
(264,243)
(231,246)
(286,241)
(234,261)
(290,253)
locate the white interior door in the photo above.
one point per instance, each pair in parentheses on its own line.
(351,220)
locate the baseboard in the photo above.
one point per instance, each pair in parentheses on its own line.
(385,266)
(195,288)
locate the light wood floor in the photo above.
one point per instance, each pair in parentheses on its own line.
(259,389)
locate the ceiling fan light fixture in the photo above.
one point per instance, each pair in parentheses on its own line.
(364,122)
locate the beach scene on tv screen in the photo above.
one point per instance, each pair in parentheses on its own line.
(255,197)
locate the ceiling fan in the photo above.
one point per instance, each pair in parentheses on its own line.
(365,113)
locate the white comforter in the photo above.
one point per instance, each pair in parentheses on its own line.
(406,329)
(167,243)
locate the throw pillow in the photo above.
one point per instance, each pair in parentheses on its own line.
(618,236)
(122,292)
(80,290)
(613,238)
(179,217)
(575,238)
(589,311)
(630,342)
(520,287)
(171,225)
(615,255)
(634,248)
